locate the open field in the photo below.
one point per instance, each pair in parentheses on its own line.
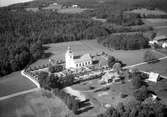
(159,25)
(144,11)
(155,22)
(71,10)
(58,50)
(159,67)
(32,105)
(14,83)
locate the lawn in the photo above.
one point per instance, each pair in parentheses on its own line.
(14,83)
(58,50)
(33,105)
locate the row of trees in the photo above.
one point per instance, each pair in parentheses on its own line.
(71,101)
(56,84)
(123,41)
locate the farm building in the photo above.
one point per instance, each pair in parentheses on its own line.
(160,40)
(75,6)
(76,61)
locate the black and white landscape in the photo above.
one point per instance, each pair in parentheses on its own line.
(83,58)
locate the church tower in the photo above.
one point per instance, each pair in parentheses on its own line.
(69,58)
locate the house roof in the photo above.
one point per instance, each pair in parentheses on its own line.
(161,37)
(153,77)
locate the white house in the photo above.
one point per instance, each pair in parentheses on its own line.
(153,77)
(160,40)
(164,45)
(75,6)
(72,61)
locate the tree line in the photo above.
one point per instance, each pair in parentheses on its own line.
(124,41)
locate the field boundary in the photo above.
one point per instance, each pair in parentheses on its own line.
(30,78)
(138,64)
(18,94)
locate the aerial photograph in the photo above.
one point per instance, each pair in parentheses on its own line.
(83,58)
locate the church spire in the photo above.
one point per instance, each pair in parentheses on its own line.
(69,49)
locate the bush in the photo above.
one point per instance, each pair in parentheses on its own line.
(112,60)
(122,95)
(137,81)
(56,68)
(141,94)
(117,67)
(51,69)
(150,56)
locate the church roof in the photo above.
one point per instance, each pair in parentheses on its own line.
(83,58)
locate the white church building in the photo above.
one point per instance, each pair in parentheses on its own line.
(72,61)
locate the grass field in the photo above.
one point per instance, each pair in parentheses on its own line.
(147,11)
(58,50)
(159,25)
(33,105)
(71,10)
(14,83)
